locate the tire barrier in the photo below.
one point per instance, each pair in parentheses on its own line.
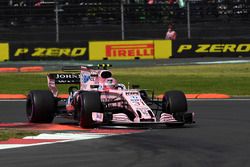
(8,69)
(22,69)
(31,69)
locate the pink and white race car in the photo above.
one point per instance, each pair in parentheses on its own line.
(100,100)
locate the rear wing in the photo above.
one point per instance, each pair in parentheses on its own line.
(61,78)
(65,78)
(73,75)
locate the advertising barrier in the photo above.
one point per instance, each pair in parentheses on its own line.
(49,51)
(130,50)
(124,50)
(211,48)
(4,52)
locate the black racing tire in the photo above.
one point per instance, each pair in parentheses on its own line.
(89,102)
(40,106)
(174,102)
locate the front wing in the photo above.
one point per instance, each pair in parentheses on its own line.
(188,118)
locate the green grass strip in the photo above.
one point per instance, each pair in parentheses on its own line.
(232,79)
(6,134)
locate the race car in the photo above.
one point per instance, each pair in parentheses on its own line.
(97,99)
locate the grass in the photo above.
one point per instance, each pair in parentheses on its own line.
(5,134)
(232,79)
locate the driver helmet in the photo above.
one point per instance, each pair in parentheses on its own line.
(110,83)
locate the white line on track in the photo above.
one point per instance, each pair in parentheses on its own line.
(206,62)
(223,62)
(9,146)
(61,137)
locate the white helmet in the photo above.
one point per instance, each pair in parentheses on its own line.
(110,83)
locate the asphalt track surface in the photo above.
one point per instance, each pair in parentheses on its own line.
(221,137)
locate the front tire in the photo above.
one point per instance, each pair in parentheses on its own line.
(89,102)
(175,103)
(40,106)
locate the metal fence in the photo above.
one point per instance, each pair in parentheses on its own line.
(81,20)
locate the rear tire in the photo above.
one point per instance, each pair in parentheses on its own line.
(89,102)
(175,103)
(40,106)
